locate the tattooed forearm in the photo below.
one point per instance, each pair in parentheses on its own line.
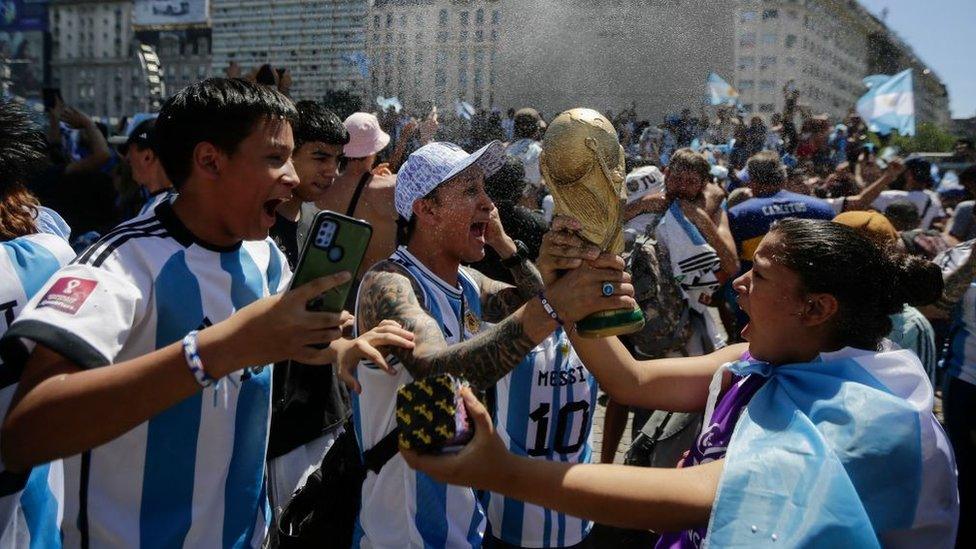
(482,360)
(498,300)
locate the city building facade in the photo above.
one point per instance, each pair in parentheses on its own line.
(184,53)
(315,40)
(94,61)
(824,48)
(549,54)
(435,51)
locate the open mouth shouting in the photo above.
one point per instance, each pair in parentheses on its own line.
(478,231)
(269,208)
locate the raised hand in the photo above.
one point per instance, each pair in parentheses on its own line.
(349,352)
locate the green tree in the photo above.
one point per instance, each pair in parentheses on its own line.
(928,138)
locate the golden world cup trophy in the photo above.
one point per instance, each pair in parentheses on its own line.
(582,164)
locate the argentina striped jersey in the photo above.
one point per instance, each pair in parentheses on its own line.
(192,476)
(543,409)
(30,502)
(402,507)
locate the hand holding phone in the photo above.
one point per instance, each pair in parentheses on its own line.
(335,243)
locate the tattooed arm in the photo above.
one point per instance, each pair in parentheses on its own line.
(387,294)
(498,299)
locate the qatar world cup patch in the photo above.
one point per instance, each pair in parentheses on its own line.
(68,294)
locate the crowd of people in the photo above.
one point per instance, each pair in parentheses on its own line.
(807,296)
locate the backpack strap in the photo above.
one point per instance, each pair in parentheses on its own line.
(925,210)
(382,452)
(357,193)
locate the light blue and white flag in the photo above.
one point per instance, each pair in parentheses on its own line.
(359,59)
(889,104)
(843,451)
(721,92)
(386,102)
(464,109)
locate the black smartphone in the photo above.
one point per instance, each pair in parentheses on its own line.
(335,243)
(51,97)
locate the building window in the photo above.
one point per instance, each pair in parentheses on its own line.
(442,18)
(463,36)
(495,17)
(747,107)
(791,61)
(790,40)
(767,107)
(479,36)
(769,38)
(770,14)
(747,40)
(747,63)
(747,85)
(376,21)
(767,61)
(479,17)
(747,16)
(442,37)
(463,18)
(767,85)
(389,20)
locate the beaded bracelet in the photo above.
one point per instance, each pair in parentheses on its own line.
(193,361)
(549,309)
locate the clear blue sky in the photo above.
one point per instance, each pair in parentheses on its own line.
(943,35)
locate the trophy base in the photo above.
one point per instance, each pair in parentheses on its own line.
(611,323)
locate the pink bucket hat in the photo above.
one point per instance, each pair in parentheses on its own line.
(365,135)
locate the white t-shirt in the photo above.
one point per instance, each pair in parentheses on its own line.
(193,475)
(528,151)
(926,202)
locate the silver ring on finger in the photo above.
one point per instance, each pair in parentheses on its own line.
(607,289)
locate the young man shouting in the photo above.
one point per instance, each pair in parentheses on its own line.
(143,361)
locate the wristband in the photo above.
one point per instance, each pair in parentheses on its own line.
(549,309)
(193,362)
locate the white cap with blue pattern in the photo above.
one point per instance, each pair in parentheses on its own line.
(437,162)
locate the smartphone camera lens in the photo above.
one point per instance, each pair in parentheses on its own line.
(336,253)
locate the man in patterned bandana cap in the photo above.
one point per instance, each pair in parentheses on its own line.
(497,336)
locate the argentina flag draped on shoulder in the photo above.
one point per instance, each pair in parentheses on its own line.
(843,451)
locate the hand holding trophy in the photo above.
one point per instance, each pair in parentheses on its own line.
(582,164)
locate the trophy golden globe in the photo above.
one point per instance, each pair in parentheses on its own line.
(582,164)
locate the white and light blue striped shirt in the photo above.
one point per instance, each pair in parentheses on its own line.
(402,507)
(192,476)
(31,503)
(543,409)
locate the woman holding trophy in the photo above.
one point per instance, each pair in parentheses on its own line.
(816,432)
